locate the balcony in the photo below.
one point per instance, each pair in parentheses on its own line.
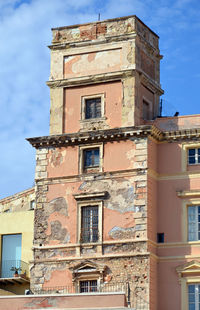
(129,293)
(14,271)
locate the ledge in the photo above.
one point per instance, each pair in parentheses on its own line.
(85,196)
(91,79)
(189,194)
(91,136)
(14,280)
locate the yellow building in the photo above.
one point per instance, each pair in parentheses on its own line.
(16,239)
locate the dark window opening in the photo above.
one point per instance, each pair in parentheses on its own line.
(93,108)
(160,237)
(88,286)
(89,224)
(194,156)
(32,204)
(146,111)
(91,158)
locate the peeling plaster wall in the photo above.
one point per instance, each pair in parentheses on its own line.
(112,93)
(124,221)
(135,270)
(117,156)
(124,211)
(119,61)
(18,202)
(106,28)
(128,48)
(88,63)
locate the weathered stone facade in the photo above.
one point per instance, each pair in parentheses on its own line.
(118,61)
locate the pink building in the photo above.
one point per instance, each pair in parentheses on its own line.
(117,186)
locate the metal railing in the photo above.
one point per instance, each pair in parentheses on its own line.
(13,268)
(76,289)
(134,300)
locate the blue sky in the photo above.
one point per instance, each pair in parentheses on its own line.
(25,32)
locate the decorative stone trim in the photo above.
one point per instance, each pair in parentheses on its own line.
(91,137)
(189,194)
(184,134)
(112,135)
(85,196)
(91,79)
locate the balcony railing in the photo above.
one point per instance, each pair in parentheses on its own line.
(75,289)
(13,268)
(133,299)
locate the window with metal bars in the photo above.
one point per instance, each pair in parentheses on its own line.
(193,223)
(194,156)
(91,158)
(194,296)
(88,286)
(93,108)
(89,224)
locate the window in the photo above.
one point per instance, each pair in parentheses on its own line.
(32,204)
(189,278)
(194,296)
(88,276)
(89,224)
(160,237)
(147,113)
(91,158)
(193,223)
(88,286)
(145,110)
(194,156)
(190,156)
(93,108)
(11,254)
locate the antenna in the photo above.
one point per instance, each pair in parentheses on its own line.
(99,16)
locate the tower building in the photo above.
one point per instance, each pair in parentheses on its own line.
(116,184)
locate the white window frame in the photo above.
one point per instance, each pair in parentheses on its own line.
(195,223)
(89,280)
(184,155)
(197,295)
(83,106)
(196,156)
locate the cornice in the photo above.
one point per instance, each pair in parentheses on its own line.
(91,137)
(183,134)
(107,39)
(115,134)
(91,79)
(188,194)
(150,83)
(106,77)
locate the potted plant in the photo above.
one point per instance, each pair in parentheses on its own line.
(15,269)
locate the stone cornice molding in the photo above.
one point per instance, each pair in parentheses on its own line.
(95,195)
(149,83)
(183,134)
(107,39)
(188,194)
(106,77)
(91,137)
(115,134)
(91,79)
